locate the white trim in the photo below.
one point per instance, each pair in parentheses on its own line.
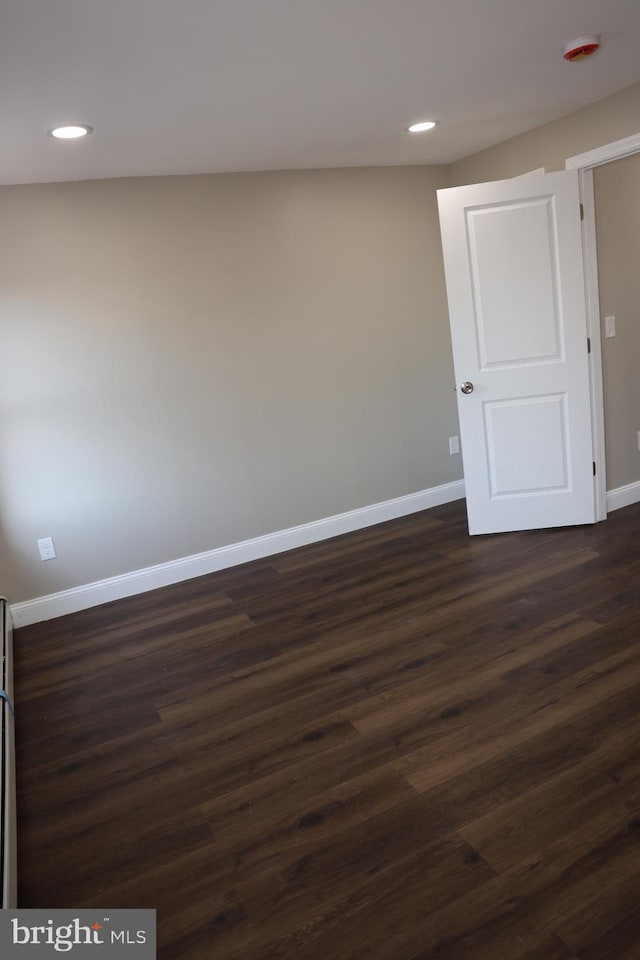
(584,164)
(605,154)
(162,574)
(623,496)
(590,257)
(531,173)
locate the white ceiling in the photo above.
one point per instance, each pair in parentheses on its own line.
(186,86)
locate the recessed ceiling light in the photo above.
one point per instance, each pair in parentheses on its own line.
(71,132)
(422,126)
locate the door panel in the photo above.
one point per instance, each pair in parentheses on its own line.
(513,263)
(502,269)
(527,445)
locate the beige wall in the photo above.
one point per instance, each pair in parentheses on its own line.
(193,361)
(617,192)
(549,146)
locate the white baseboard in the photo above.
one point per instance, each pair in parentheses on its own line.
(162,574)
(623,496)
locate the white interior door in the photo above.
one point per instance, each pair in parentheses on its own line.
(515,284)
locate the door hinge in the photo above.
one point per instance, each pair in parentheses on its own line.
(594,468)
(588,344)
(582,211)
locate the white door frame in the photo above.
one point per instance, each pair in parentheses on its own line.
(584,163)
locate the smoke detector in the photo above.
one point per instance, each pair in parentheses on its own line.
(581,49)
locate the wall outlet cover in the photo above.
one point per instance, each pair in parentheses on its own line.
(47,549)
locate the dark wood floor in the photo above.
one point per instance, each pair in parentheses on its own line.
(397,745)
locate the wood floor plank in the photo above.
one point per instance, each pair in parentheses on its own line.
(400,744)
(526,825)
(573,657)
(488,656)
(326,672)
(620,941)
(250,825)
(88,663)
(597,922)
(365,913)
(499,918)
(551,949)
(564,703)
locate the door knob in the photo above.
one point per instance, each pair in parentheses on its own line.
(466,387)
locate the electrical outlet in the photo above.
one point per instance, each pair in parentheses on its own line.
(454,445)
(47,549)
(609,327)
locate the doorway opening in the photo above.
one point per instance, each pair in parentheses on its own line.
(585,164)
